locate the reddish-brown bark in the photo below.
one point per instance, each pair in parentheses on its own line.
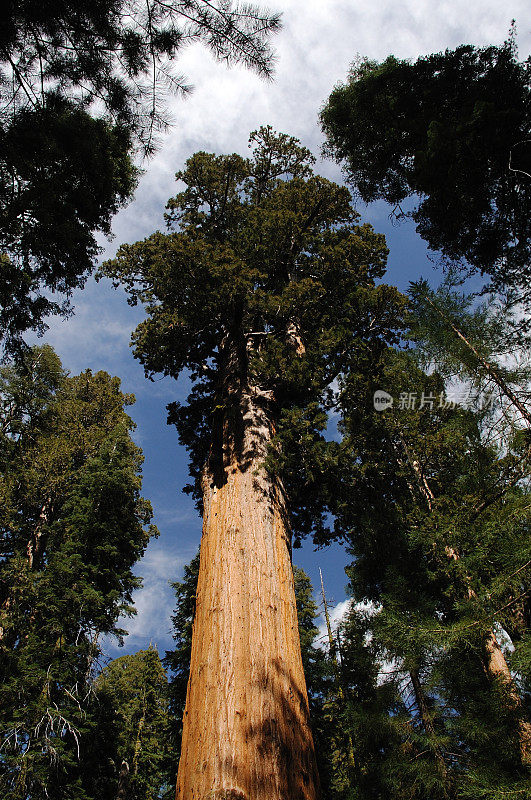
(498,670)
(246,730)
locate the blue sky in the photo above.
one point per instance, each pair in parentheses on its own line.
(319,40)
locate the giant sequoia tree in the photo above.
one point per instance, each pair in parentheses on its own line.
(265,286)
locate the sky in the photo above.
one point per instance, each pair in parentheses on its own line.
(318,42)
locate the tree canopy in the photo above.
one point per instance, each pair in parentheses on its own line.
(83,85)
(128,747)
(435,514)
(266,253)
(119,56)
(451,132)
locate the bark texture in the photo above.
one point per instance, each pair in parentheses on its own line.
(498,670)
(246,732)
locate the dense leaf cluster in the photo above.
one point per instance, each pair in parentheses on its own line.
(269,270)
(450,130)
(82,85)
(127,749)
(436,518)
(119,55)
(52,206)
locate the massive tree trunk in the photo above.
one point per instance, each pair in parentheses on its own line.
(246,730)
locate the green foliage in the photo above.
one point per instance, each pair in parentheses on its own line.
(120,54)
(53,206)
(177,661)
(436,518)
(312,655)
(449,130)
(363,718)
(72,526)
(128,748)
(82,84)
(479,345)
(266,254)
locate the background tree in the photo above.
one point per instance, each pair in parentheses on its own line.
(177,661)
(316,667)
(266,282)
(73,524)
(474,345)
(364,725)
(126,753)
(63,175)
(121,55)
(82,86)
(437,522)
(452,132)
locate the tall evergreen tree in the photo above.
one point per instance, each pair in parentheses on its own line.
(265,285)
(126,751)
(437,521)
(177,660)
(477,344)
(73,524)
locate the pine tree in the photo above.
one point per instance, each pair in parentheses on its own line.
(73,524)
(266,282)
(480,344)
(84,85)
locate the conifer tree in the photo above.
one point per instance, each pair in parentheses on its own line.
(266,283)
(73,524)
(83,86)
(126,751)
(480,344)
(450,133)
(177,660)
(437,521)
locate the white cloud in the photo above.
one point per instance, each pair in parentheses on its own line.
(336,614)
(318,42)
(154,602)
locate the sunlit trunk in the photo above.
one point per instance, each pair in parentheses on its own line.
(498,670)
(246,730)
